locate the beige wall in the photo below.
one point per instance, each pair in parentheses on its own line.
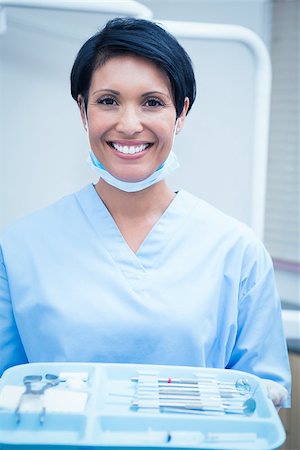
(291,417)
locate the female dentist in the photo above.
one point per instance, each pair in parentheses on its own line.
(127,270)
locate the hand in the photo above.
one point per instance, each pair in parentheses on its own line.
(276,392)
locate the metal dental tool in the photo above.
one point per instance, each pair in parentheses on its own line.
(245,408)
(241,385)
(35,387)
(199,395)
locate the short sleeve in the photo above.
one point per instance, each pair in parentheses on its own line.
(11,348)
(260,346)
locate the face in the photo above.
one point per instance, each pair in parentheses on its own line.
(131,117)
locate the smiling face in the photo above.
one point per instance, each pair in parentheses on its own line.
(131,117)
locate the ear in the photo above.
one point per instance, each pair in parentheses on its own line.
(81,106)
(181,118)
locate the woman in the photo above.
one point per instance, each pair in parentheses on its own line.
(127,270)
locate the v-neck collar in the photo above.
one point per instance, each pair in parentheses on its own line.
(164,229)
(112,239)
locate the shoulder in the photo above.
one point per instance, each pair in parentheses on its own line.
(45,220)
(214,221)
(231,244)
(225,234)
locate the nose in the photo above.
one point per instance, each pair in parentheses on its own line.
(129,121)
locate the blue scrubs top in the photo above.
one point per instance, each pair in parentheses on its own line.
(199,291)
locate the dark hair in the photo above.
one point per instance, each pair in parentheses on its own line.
(140,37)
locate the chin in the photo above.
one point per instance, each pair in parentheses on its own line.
(132,178)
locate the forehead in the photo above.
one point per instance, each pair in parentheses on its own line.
(131,70)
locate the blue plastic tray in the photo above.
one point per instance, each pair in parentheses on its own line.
(110,422)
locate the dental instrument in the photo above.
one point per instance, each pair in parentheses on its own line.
(193,395)
(35,387)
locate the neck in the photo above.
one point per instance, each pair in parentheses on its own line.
(154,199)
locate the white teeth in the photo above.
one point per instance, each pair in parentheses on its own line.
(131,150)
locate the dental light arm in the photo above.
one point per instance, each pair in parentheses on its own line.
(125,8)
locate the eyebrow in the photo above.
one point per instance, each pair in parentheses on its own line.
(154,93)
(112,91)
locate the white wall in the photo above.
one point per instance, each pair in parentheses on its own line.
(252,14)
(1,130)
(43,147)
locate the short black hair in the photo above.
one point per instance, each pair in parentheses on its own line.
(142,38)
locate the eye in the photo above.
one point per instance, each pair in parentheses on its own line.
(154,102)
(110,101)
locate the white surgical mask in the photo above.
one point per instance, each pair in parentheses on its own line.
(170,164)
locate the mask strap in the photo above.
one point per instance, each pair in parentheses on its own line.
(87,130)
(82,105)
(174,135)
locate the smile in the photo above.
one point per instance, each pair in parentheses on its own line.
(129,149)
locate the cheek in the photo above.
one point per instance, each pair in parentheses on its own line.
(97,132)
(167,136)
(100,122)
(164,130)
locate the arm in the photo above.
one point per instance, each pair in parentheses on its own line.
(11,348)
(260,346)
